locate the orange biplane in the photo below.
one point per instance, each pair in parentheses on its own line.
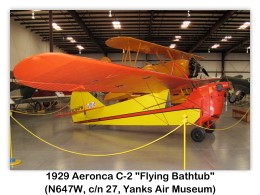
(148,92)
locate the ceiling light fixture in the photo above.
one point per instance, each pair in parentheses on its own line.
(80,47)
(33,16)
(244,26)
(56,26)
(226,38)
(177,38)
(185,24)
(33,13)
(172,46)
(110,14)
(188,13)
(71,39)
(215,46)
(116,24)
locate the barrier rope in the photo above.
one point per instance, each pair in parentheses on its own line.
(222,129)
(95,155)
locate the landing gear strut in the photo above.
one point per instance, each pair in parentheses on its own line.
(210,126)
(37,106)
(198,134)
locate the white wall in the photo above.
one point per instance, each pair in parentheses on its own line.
(24,43)
(238,63)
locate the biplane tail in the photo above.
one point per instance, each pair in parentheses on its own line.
(81,102)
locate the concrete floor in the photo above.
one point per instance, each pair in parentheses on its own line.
(221,150)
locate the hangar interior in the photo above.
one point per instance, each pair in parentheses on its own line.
(222,37)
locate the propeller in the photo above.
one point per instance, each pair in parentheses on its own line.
(195,67)
(204,71)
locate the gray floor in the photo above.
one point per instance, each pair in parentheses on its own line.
(222,150)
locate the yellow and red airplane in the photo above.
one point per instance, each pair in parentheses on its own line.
(154,88)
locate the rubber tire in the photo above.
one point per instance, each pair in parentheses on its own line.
(46,104)
(37,106)
(198,134)
(232,98)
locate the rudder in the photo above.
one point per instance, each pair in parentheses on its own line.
(80,103)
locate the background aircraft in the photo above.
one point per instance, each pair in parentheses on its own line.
(37,99)
(241,87)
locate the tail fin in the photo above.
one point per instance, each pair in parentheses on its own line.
(80,103)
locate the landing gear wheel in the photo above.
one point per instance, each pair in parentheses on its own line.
(37,106)
(210,125)
(46,104)
(232,98)
(198,134)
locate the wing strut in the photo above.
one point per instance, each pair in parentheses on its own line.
(137,54)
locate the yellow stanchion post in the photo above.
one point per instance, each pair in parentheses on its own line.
(13,161)
(185,120)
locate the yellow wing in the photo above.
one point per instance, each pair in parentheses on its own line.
(137,45)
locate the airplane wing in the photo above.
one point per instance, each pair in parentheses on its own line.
(137,45)
(64,72)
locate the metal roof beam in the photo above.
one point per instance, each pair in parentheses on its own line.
(243,42)
(77,18)
(215,27)
(150,23)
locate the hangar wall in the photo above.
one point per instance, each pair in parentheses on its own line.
(24,43)
(235,64)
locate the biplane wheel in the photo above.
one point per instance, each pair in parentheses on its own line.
(198,134)
(46,104)
(232,98)
(37,106)
(12,107)
(210,125)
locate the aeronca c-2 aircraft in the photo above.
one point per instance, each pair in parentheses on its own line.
(154,95)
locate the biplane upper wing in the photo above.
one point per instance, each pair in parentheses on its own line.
(137,45)
(64,72)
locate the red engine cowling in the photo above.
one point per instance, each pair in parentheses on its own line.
(210,99)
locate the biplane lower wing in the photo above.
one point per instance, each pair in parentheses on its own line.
(63,72)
